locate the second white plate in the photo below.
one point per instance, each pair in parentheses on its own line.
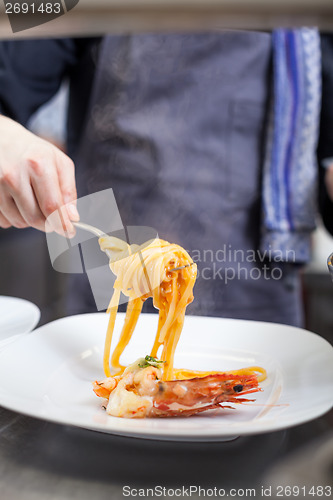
(17,317)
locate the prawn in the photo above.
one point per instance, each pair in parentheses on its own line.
(140,392)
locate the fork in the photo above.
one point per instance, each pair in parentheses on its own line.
(98,232)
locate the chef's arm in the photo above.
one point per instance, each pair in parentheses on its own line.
(31,72)
(36,178)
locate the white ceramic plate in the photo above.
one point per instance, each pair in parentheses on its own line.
(17,317)
(48,375)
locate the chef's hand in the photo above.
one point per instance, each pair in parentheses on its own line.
(36,178)
(329,180)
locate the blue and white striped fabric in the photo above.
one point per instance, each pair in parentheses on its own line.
(290,170)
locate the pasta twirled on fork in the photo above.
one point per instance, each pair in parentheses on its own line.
(147,271)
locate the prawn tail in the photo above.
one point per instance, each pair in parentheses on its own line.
(104,387)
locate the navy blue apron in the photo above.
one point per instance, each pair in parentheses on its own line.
(177,129)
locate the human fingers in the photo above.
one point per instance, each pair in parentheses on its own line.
(66,175)
(46,187)
(16,195)
(4,223)
(10,212)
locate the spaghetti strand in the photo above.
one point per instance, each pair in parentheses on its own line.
(147,271)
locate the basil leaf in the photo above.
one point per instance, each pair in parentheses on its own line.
(150,361)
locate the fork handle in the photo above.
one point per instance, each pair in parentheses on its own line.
(91,229)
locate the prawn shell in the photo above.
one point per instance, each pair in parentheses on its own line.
(191,396)
(184,398)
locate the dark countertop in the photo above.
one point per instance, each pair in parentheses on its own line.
(43,461)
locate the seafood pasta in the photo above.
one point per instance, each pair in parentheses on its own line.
(151,270)
(152,387)
(139,392)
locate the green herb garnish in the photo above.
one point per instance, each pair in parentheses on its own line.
(150,361)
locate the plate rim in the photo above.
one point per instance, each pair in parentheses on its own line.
(165,434)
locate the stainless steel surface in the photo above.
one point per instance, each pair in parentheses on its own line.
(117,16)
(311,466)
(44,461)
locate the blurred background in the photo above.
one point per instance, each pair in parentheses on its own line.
(39,283)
